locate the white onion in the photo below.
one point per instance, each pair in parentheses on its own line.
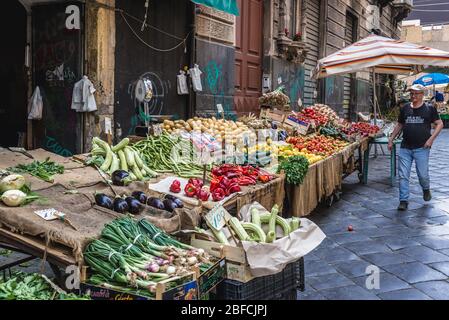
(12,182)
(13,198)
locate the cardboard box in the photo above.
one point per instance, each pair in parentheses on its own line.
(186,291)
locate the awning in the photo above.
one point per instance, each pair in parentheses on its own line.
(382,55)
(229,6)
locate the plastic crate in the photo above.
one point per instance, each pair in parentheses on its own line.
(280,286)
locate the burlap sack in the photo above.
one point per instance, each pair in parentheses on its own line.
(88,219)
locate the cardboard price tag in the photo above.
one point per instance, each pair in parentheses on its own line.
(218,217)
(300,126)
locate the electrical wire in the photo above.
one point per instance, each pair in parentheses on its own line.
(148,25)
(152,47)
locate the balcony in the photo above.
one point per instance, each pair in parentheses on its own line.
(401,9)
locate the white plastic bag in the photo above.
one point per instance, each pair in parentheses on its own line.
(182,83)
(195,74)
(36,105)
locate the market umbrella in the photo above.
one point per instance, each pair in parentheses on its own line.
(433,79)
(378,54)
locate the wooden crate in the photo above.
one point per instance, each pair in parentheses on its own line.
(186,291)
(237,267)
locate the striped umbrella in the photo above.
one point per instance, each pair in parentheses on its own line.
(380,55)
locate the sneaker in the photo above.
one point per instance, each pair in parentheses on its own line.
(427,196)
(403,205)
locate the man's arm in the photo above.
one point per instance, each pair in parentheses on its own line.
(397,130)
(439,125)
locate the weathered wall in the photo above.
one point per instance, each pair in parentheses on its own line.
(100,65)
(431,36)
(215,55)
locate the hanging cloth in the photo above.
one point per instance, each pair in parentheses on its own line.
(35,105)
(195,73)
(83,99)
(182,83)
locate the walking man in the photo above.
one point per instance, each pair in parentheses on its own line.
(415,120)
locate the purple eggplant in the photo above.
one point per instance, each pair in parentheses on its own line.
(169,205)
(177,201)
(120,205)
(104,201)
(156,203)
(141,196)
(135,207)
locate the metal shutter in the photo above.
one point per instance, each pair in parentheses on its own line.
(349,39)
(313,42)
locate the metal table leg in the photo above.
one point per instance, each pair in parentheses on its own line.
(365,165)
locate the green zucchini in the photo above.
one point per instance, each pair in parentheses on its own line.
(257,230)
(122,144)
(239,230)
(129,154)
(123,163)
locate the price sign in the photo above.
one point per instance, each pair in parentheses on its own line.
(217,217)
(220,108)
(157,129)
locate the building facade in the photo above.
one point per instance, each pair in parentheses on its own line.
(122,44)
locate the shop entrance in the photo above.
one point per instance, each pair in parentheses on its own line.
(13,75)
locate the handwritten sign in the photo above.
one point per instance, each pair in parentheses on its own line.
(300,126)
(217,217)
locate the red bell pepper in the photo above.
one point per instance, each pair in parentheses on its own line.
(203,195)
(250,171)
(218,194)
(190,190)
(196,182)
(175,187)
(214,184)
(233,189)
(246,181)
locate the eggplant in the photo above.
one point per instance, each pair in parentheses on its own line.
(120,205)
(104,201)
(170,205)
(156,203)
(120,178)
(141,196)
(135,207)
(178,201)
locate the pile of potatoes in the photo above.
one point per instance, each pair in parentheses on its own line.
(220,129)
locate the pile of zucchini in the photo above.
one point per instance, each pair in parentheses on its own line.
(252,231)
(121,157)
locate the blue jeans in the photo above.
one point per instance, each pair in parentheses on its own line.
(406,157)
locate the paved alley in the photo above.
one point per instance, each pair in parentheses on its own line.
(411,249)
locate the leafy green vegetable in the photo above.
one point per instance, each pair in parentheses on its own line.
(295,169)
(44,170)
(22,286)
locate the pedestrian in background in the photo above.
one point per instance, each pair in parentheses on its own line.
(415,121)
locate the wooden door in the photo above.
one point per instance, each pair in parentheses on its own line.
(248,56)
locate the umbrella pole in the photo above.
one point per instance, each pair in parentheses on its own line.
(375,106)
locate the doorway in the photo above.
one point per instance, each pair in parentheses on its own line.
(248,56)
(13,75)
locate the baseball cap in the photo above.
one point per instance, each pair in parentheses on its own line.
(417,87)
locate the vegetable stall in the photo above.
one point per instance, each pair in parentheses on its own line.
(190,212)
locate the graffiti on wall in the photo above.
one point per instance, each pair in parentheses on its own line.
(215,84)
(292,79)
(54,146)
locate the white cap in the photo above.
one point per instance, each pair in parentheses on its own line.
(417,87)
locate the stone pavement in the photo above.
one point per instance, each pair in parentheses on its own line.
(411,249)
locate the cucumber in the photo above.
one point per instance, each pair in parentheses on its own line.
(137,173)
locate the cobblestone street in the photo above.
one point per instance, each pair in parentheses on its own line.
(411,249)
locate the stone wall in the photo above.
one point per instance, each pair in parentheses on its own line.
(100,65)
